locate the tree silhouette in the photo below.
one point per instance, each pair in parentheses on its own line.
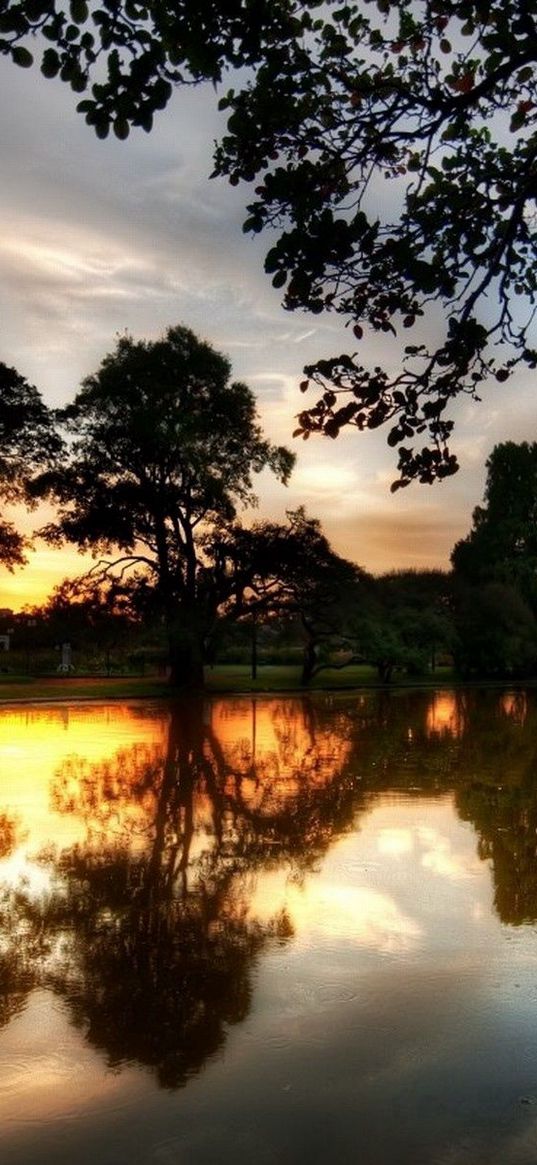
(495,568)
(164,452)
(337,100)
(291,569)
(28,443)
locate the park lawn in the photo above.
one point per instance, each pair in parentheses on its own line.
(221,678)
(30,688)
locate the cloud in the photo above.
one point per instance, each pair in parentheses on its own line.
(103,237)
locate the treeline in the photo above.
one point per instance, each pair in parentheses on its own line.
(150,468)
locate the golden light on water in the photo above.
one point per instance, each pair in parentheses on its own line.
(445,715)
(515,705)
(166,865)
(279,745)
(34,745)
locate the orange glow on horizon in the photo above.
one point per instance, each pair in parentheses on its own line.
(32,585)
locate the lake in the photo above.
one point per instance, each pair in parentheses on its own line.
(277,929)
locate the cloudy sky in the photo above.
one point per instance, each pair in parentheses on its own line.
(103,237)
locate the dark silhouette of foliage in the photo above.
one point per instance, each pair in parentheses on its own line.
(28,442)
(495,569)
(502,544)
(147,48)
(164,451)
(292,569)
(496,631)
(405,621)
(438,99)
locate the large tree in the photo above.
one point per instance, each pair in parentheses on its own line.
(436,96)
(502,544)
(165,446)
(291,569)
(495,568)
(28,442)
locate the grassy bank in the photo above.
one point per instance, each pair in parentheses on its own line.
(223,678)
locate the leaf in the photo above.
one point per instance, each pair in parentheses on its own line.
(79,11)
(50,65)
(22,57)
(121,128)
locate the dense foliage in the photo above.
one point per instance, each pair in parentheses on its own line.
(164,450)
(435,96)
(28,441)
(495,568)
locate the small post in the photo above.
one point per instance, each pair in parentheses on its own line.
(254,648)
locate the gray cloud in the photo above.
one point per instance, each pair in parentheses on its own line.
(102,237)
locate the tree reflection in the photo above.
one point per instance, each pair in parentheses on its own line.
(149,935)
(146,928)
(482,745)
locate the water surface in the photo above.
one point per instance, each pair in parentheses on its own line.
(279,928)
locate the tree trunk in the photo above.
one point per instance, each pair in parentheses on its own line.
(254,650)
(385,670)
(308,662)
(186,659)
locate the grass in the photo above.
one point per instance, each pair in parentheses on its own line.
(221,678)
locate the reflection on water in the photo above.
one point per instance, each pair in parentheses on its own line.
(237,886)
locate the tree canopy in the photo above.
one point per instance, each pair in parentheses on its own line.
(502,544)
(164,449)
(28,442)
(438,98)
(291,569)
(495,568)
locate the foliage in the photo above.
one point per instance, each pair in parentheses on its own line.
(502,543)
(135,52)
(164,451)
(495,568)
(414,96)
(292,569)
(437,98)
(496,631)
(94,616)
(406,622)
(28,441)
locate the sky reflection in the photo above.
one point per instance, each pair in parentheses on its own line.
(272,920)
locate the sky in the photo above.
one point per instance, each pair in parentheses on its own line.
(100,238)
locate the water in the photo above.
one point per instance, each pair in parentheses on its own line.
(282,929)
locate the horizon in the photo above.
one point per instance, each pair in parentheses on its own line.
(106,237)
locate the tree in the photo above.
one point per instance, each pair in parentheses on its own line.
(97,617)
(495,568)
(412,94)
(28,442)
(292,569)
(502,544)
(496,630)
(407,619)
(164,451)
